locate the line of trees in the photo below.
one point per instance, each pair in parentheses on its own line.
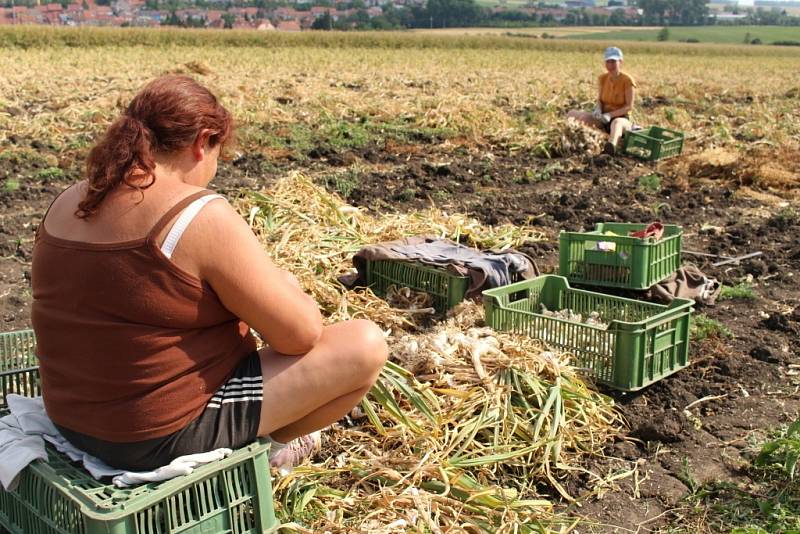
(674,12)
(461,13)
(771,17)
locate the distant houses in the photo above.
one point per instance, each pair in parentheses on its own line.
(86,13)
(288,26)
(136,13)
(289,19)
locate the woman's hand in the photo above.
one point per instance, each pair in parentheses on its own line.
(597,112)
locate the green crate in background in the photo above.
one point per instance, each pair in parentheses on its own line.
(635,264)
(643,343)
(447,289)
(653,143)
(230,496)
(19,368)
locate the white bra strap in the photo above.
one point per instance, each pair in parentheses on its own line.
(182,223)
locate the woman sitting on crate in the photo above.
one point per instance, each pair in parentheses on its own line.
(614,101)
(146,286)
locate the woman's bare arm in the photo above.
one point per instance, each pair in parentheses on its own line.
(233,262)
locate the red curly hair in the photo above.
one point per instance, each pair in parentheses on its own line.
(167,115)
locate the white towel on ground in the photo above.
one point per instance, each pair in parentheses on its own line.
(24,431)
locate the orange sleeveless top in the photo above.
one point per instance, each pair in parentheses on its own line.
(131,347)
(612,92)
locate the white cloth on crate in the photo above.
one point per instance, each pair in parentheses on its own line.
(22,440)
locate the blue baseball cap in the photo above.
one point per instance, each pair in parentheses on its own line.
(612,52)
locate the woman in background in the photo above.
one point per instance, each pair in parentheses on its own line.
(614,101)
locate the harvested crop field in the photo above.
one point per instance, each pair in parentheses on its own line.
(346,140)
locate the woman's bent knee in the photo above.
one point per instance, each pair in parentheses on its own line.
(361,349)
(358,345)
(371,344)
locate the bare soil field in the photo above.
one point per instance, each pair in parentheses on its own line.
(691,427)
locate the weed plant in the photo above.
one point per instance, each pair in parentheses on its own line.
(50,174)
(742,290)
(770,504)
(650,182)
(704,327)
(10,185)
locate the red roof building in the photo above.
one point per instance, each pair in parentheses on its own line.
(289,13)
(288,26)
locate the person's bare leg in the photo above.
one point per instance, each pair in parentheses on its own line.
(308,392)
(584,117)
(618,127)
(320,418)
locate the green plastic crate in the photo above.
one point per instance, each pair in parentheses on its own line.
(19,368)
(447,289)
(635,264)
(231,496)
(653,143)
(644,342)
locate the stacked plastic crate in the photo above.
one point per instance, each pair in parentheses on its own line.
(633,343)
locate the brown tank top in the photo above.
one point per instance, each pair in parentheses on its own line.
(131,347)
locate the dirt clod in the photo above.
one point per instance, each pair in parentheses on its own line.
(778,321)
(667,430)
(764,354)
